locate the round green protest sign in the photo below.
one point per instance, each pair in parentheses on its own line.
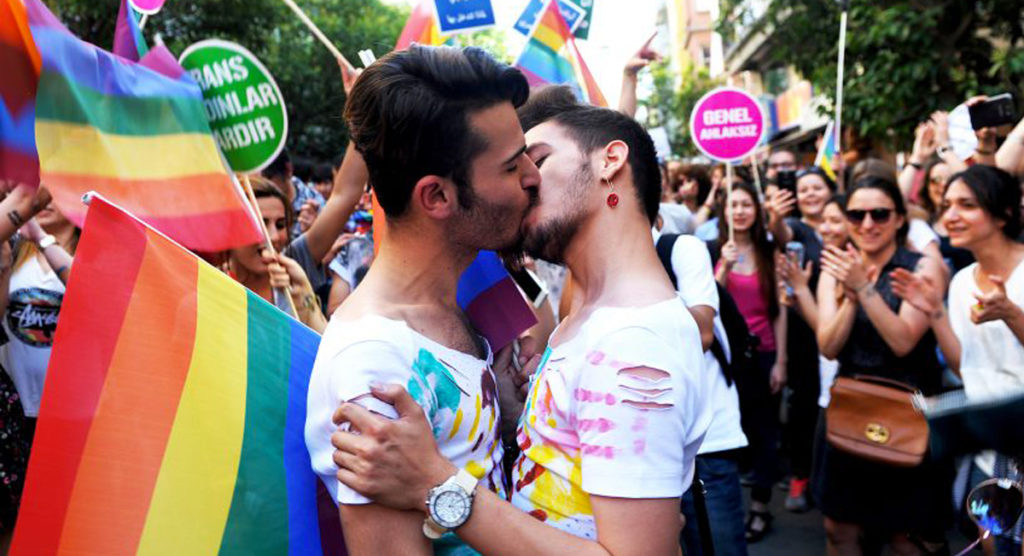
(242,101)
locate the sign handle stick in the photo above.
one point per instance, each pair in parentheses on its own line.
(286,293)
(318,33)
(757,176)
(839,94)
(142,21)
(728,200)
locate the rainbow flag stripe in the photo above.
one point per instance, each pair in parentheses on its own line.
(128,41)
(492,302)
(421,28)
(827,151)
(551,56)
(19,65)
(137,135)
(172,418)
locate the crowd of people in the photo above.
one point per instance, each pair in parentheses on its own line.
(693,330)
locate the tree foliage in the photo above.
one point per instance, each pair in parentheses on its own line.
(904,58)
(307,74)
(671,101)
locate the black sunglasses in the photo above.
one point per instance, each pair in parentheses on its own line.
(878,216)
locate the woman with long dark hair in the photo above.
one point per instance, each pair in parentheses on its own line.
(870,331)
(982,331)
(746,268)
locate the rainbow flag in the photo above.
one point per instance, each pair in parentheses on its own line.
(827,151)
(128,40)
(421,27)
(491,300)
(173,413)
(551,56)
(19,66)
(138,136)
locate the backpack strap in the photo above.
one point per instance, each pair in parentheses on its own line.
(664,246)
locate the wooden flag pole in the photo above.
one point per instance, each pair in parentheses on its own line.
(318,33)
(286,293)
(728,201)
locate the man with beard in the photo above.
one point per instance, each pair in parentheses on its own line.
(615,412)
(438,130)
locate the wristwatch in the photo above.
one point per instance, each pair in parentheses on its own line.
(46,241)
(449,504)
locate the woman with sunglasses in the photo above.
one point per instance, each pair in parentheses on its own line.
(746,268)
(982,331)
(871,332)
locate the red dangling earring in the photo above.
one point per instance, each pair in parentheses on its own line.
(613,198)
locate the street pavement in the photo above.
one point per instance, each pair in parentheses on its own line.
(804,534)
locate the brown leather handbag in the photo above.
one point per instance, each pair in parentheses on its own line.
(875,418)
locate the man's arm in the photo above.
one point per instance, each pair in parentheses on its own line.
(399,462)
(349,184)
(374,529)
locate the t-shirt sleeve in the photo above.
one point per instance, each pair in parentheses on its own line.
(347,377)
(920,234)
(631,426)
(694,276)
(299,251)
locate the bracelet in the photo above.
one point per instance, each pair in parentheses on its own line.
(979,151)
(61,270)
(916,165)
(15,219)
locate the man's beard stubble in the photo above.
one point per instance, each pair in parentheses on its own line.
(548,241)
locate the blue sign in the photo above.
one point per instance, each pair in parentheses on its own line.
(460,16)
(572,13)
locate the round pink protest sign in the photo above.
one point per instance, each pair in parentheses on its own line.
(727,124)
(148,7)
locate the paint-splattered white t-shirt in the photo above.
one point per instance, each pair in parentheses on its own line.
(593,426)
(457,392)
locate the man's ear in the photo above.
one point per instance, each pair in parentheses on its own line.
(614,159)
(435,196)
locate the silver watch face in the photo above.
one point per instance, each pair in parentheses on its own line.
(450,508)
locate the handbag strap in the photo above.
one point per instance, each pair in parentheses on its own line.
(882,381)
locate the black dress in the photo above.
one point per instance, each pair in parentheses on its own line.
(878,497)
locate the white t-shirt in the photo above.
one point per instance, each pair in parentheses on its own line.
(676,219)
(827,371)
(590,427)
(30,321)
(920,234)
(457,392)
(696,282)
(991,357)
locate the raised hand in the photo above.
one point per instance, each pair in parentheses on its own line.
(919,291)
(846,266)
(994,305)
(780,205)
(642,58)
(924,143)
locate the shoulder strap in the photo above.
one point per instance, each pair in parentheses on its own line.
(664,247)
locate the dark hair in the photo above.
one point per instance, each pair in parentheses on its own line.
(998,194)
(700,174)
(408,115)
(892,191)
(816,171)
(839,199)
(764,248)
(323,172)
(592,128)
(262,187)
(874,167)
(279,167)
(926,200)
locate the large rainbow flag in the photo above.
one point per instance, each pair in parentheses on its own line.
(134,134)
(551,56)
(173,413)
(19,66)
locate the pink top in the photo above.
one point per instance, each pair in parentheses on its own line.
(746,291)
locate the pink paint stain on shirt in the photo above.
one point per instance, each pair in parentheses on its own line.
(600,425)
(639,445)
(606,452)
(590,396)
(639,424)
(595,357)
